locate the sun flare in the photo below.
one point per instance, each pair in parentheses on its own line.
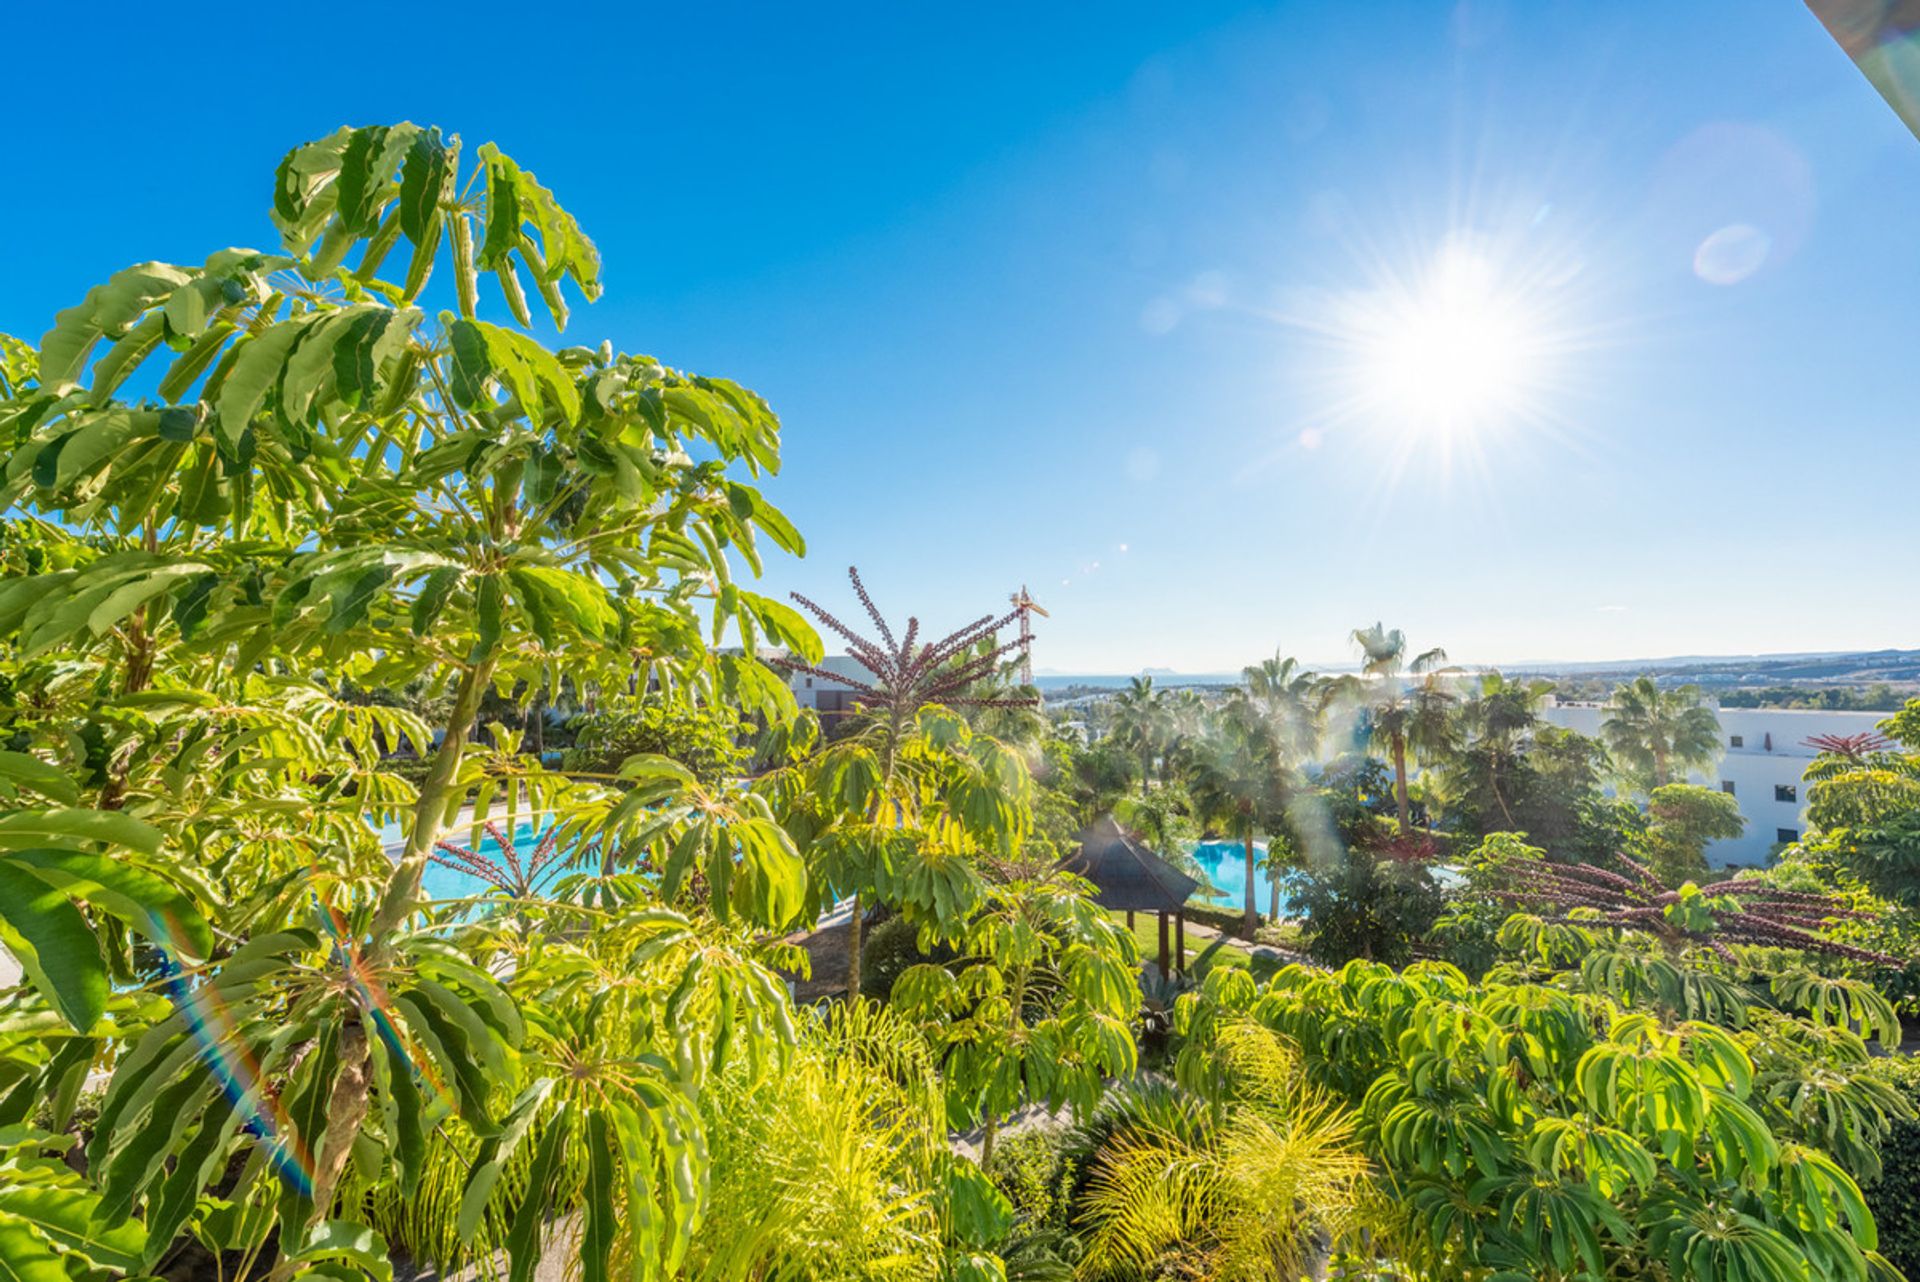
(1452,353)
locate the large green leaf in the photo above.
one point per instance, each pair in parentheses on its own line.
(26,828)
(144,901)
(70,1218)
(54,945)
(107,311)
(25,770)
(25,1256)
(495,1152)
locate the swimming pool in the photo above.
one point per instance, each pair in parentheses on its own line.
(442,882)
(1225,863)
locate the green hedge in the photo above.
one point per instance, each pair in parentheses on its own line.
(1895,1196)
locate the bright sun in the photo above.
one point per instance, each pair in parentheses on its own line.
(1450,354)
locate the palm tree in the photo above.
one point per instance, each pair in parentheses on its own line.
(1141,723)
(1290,699)
(1500,716)
(1410,708)
(1187,713)
(1239,778)
(1653,732)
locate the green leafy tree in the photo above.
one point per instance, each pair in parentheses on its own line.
(1036,1007)
(904,809)
(1499,719)
(1682,819)
(1363,904)
(325,476)
(1550,787)
(704,739)
(1525,1130)
(1863,788)
(1143,723)
(1864,804)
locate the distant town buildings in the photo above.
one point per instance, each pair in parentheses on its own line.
(1764,751)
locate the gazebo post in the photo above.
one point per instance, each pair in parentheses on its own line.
(1132,879)
(1180,938)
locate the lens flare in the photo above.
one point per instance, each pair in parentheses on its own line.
(1451,355)
(1445,351)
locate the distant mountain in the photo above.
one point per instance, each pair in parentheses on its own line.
(1897,668)
(1714,672)
(1110,681)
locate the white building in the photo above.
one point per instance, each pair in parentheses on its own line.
(1764,751)
(828,698)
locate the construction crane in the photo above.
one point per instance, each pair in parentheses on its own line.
(1025,606)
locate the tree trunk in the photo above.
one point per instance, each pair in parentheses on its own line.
(403,886)
(1493,778)
(347,1106)
(346,1112)
(1659,768)
(1253,904)
(853,952)
(1273,888)
(1400,784)
(139,673)
(886,790)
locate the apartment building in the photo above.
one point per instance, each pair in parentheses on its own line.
(1764,751)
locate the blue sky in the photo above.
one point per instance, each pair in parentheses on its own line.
(1052,294)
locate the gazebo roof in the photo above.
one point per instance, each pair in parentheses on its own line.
(1126,873)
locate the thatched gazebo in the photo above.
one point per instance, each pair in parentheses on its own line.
(1130,877)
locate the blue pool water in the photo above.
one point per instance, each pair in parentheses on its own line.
(441,882)
(1225,863)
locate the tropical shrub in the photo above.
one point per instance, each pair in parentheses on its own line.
(1527,1130)
(704,739)
(1894,1195)
(1258,1191)
(1038,1007)
(1681,819)
(836,1166)
(1031,1168)
(1365,906)
(891,949)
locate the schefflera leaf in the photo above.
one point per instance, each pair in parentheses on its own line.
(52,861)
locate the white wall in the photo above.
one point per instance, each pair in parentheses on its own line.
(1772,753)
(807,688)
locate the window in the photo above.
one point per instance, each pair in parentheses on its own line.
(1736,741)
(809,683)
(1786,792)
(1786,836)
(1726,786)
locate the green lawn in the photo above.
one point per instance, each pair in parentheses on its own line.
(1146,933)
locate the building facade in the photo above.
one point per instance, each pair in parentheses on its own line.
(831,699)
(1763,754)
